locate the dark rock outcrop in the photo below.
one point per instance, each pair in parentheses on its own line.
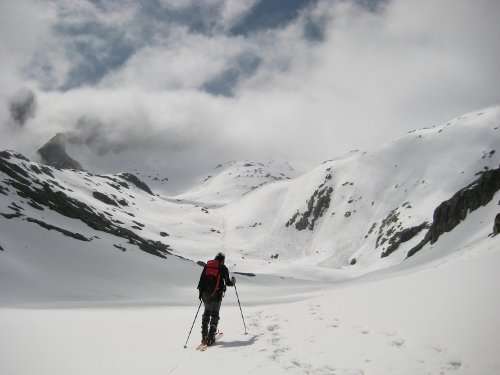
(133,179)
(249,274)
(67,233)
(41,193)
(403,236)
(388,227)
(317,205)
(370,231)
(496,225)
(454,210)
(3,190)
(120,247)
(54,153)
(11,216)
(104,198)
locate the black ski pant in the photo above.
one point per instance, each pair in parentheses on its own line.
(210,315)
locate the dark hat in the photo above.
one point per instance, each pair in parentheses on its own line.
(220,256)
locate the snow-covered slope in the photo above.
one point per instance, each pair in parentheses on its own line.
(442,320)
(233,180)
(345,218)
(370,209)
(72,236)
(334,244)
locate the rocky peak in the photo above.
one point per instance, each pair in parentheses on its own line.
(54,153)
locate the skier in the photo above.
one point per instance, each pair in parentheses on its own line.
(211,287)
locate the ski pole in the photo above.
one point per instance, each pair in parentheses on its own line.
(236,290)
(185,345)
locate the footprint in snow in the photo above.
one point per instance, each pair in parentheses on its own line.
(275,340)
(301,365)
(389,334)
(273,327)
(338,371)
(437,349)
(307,368)
(278,352)
(335,323)
(256,319)
(397,343)
(454,365)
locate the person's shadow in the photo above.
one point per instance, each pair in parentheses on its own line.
(237,343)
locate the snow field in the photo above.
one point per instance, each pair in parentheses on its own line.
(416,323)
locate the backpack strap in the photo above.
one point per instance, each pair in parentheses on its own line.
(216,289)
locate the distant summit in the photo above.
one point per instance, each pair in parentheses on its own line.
(232,180)
(54,153)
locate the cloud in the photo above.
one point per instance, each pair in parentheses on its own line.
(171,85)
(270,14)
(22,106)
(237,69)
(182,60)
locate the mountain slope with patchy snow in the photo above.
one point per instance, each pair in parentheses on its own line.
(345,218)
(369,205)
(327,285)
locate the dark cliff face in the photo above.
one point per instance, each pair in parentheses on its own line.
(133,179)
(54,153)
(403,236)
(317,205)
(496,225)
(454,210)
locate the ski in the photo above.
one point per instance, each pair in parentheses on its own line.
(202,347)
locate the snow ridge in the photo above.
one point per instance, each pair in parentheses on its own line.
(347,217)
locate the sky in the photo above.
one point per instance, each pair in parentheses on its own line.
(178,86)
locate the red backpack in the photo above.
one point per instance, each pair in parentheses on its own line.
(212,276)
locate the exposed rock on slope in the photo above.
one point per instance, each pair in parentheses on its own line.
(454,210)
(352,210)
(377,204)
(402,236)
(136,181)
(496,225)
(54,153)
(37,186)
(317,205)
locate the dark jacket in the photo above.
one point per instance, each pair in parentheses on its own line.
(224,280)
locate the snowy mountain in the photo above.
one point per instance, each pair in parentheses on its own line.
(372,209)
(231,181)
(356,214)
(375,262)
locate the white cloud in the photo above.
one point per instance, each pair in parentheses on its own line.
(369,77)
(181,61)
(234,10)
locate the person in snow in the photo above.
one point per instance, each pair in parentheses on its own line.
(211,287)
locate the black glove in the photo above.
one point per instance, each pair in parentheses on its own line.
(233,280)
(199,295)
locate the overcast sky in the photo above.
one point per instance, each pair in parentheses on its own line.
(181,85)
